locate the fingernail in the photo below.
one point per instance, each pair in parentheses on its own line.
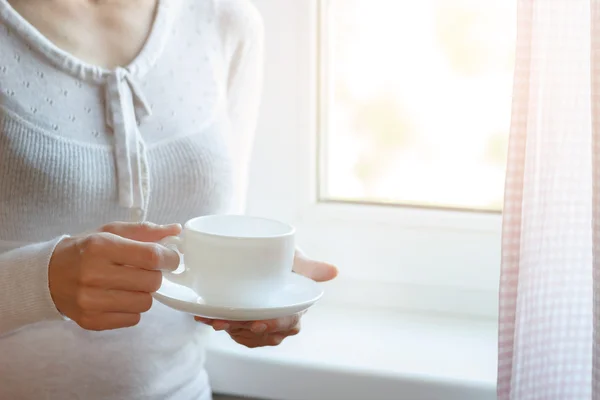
(172,226)
(222,327)
(259,328)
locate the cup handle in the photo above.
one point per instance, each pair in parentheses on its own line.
(180,278)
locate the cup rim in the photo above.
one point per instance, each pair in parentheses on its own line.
(290,230)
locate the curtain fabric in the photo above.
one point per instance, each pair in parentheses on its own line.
(550,285)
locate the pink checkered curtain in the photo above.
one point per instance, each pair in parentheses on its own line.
(550,290)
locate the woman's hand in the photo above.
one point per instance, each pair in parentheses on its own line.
(104,280)
(273,332)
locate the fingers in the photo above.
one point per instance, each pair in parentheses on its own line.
(285,324)
(119,250)
(224,325)
(104,280)
(274,334)
(147,232)
(261,341)
(276,325)
(206,321)
(114,301)
(119,277)
(142,232)
(316,270)
(220,325)
(107,321)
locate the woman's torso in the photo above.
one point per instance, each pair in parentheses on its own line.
(59,175)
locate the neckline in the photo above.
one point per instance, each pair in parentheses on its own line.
(65,61)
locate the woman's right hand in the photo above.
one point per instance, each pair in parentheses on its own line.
(104,280)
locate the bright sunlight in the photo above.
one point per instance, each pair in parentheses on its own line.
(419,105)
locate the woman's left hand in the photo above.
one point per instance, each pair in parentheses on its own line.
(273,332)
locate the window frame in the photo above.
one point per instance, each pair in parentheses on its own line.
(420,259)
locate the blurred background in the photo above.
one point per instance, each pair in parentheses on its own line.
(384,125)
(417,97)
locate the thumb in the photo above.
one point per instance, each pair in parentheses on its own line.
(316,270)
(142,232)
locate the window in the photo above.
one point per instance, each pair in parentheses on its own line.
(416,99)
(372,103)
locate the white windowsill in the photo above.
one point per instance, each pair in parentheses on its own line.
(359,354)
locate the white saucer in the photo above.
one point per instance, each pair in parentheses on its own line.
(297,295)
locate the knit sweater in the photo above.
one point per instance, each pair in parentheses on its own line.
(164,139)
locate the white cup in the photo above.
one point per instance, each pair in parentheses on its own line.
(234,260)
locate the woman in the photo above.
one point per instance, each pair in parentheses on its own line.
(113,113)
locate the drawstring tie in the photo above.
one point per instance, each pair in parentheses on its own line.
(126,107)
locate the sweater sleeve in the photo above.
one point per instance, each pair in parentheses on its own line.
(24,292)
(243,33)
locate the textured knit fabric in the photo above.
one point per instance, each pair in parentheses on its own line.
(164,139)
(548,334)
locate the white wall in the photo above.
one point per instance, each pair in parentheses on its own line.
(285,107)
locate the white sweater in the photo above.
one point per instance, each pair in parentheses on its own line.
(80,147)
